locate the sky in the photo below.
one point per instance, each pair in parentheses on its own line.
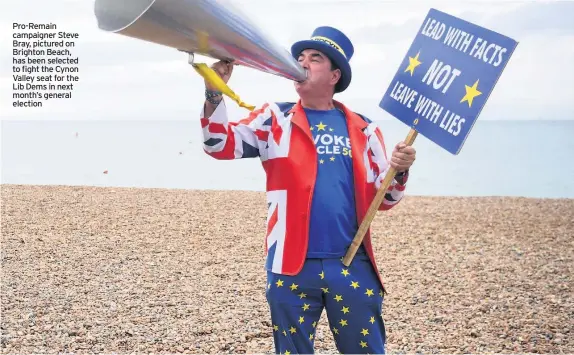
(123,77)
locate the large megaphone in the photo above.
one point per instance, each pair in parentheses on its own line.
(213,28)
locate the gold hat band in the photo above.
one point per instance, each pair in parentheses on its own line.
(329,42)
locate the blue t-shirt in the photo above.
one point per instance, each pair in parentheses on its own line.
(333,222)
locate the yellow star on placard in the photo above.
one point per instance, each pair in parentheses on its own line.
(321,161)
(321,126)
(332,158)
(471,93)
(413,63)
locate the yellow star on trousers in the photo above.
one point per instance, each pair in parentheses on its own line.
(413,63)
(471,93)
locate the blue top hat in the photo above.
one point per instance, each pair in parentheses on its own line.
(334,44)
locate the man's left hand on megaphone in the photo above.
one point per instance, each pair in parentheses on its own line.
(223,69)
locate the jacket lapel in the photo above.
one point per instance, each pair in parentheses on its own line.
(300,119)
(355,125)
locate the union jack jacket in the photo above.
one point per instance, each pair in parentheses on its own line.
(279,135)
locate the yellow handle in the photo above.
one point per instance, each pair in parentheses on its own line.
(215,80)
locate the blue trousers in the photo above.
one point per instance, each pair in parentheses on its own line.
(352,297)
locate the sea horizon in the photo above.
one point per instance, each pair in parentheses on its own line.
(515,158)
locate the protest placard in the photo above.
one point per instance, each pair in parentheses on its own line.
(446,77)
(440,88)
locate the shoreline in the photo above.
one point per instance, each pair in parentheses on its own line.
(509,197)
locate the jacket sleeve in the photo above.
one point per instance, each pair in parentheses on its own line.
(226,140)
(380,165)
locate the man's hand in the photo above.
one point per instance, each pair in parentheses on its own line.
(223,69)
(403,157)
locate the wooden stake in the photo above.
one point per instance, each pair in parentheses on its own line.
(374,207)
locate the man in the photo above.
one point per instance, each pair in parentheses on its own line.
(323,164)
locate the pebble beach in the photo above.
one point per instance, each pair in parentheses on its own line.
(130,270)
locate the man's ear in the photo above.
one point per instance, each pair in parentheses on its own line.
(336,76)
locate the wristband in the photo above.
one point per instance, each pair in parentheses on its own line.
(210,96)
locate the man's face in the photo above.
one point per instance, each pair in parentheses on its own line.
(320,77)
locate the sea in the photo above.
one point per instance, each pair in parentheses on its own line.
(499,158)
